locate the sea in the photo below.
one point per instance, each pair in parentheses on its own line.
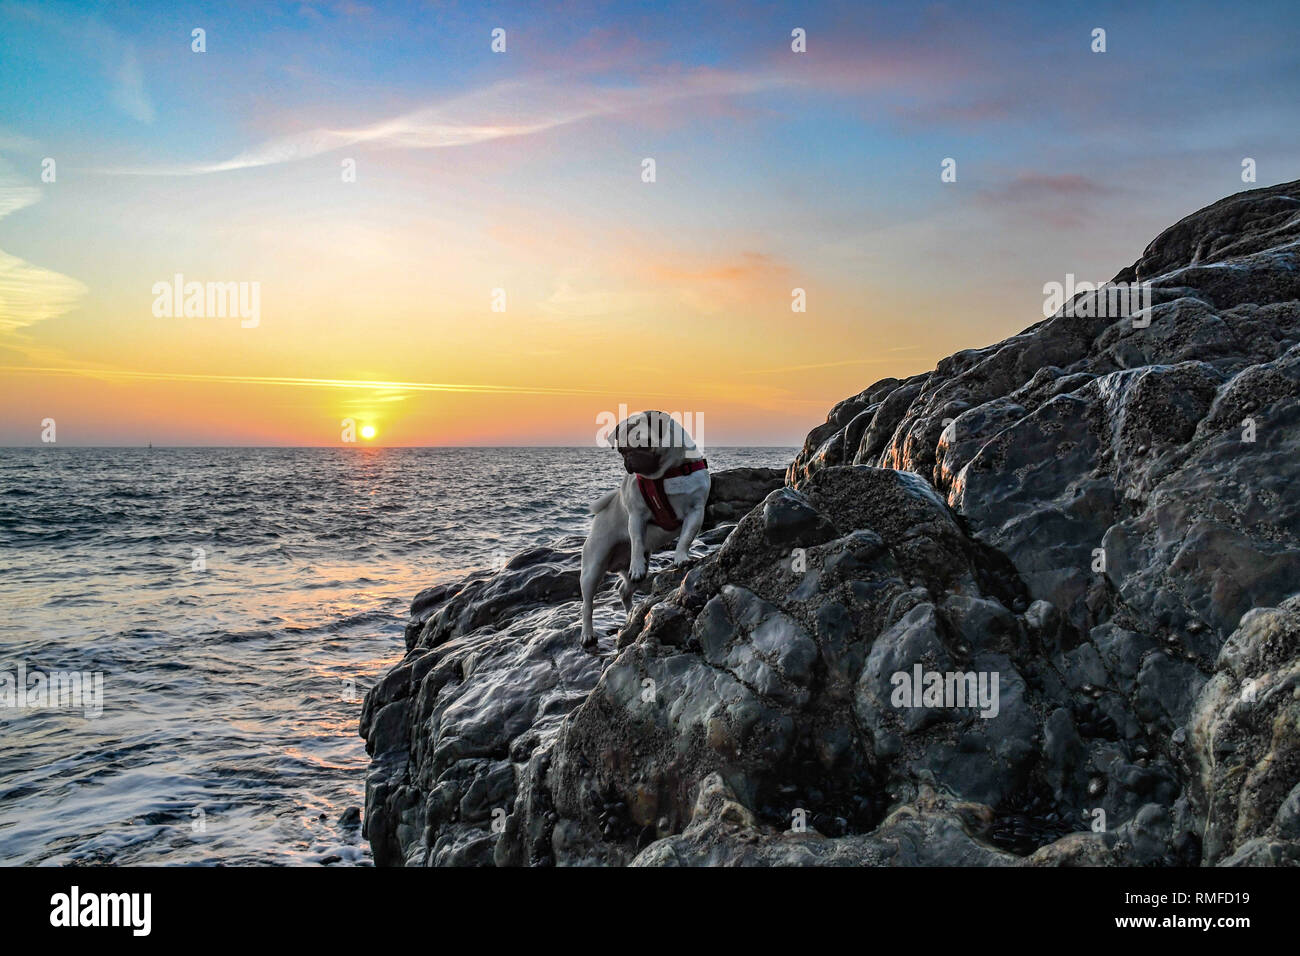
(214,617)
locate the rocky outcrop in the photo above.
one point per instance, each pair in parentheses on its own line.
(1034,607)
(491,669)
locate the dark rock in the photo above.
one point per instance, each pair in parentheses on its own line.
(733,492)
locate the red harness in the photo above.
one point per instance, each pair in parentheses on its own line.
(652,490)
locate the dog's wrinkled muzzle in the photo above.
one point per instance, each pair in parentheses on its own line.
(641,462)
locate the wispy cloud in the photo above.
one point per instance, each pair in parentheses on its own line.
(506,109)
(570,299)
(845,364)
(747,266)
(770,397)
(1063,200)
(385,387)
(128,92)
(28,293)
(1033,185)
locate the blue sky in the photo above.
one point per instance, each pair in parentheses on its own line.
(521,170)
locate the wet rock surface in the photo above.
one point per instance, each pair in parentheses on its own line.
(1090,532)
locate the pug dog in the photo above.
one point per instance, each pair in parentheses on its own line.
(662,497)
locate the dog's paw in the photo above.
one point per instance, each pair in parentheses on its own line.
(589,640)
(679,559)
(636,572)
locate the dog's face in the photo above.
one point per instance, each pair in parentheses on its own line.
(650,443)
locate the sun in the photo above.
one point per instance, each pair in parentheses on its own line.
(367,431)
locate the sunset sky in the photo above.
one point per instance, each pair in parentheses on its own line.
(522,171)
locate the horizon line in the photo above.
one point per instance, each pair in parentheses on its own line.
(342,445)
